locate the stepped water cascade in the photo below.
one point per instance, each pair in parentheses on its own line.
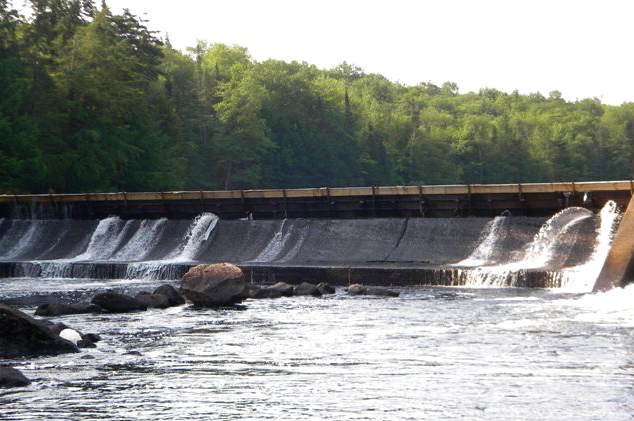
(477,252)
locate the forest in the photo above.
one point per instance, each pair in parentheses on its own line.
(95,101)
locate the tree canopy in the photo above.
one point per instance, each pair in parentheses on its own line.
(95,101)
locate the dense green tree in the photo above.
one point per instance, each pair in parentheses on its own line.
(94,101)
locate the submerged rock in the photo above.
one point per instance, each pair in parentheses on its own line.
(23,336)
(358,289)
(383,292)
(214,285)
(306,288)
(118,303)
(173,297)
(11,377)
(60,309)
(92,337)
(153,300)
(260,293)
(85,343)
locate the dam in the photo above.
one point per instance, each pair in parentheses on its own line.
(463,325)
(541,235)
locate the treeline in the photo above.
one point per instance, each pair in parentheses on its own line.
(94,101)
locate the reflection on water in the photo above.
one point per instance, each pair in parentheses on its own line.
(433,354)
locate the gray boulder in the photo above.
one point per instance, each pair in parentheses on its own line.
(59,309)
(357,289)
(214,285)
(23,336)
(326,288)
(306,288)
(11,377)
(153,300)
(118,303)
(258,293)
(286,290)
(174,298)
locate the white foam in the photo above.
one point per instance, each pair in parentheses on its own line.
(537,254)
(142,241)
(583,277)
(485,251)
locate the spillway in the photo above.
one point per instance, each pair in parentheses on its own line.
(477,252)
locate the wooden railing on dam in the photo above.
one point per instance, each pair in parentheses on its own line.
(534,199)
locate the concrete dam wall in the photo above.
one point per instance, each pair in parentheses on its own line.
(476,251)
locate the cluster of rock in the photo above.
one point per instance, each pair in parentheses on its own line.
(214,285)
(225,284)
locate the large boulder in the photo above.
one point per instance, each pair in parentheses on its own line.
(306,288)
(118,303)
(11,377)
(60,309)
(23,336)
(174,298)
(214,285)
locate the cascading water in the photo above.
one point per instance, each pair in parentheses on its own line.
(198,233)
(484,253)
(545,248)
(275,246)
(500,252)
(138,247)
(27,238)
(105,239)
(583,277)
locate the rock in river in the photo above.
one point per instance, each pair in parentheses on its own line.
(306,288)
(174,298)
(285,289)
(23,336)
(11,377)
(153,300)
(59,309)
(214,285)
(358,289)
(118,303)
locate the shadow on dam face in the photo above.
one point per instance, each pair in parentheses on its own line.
(502,251)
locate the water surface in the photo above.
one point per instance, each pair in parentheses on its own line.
(431,354)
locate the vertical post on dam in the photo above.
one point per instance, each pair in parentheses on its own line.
(618,269)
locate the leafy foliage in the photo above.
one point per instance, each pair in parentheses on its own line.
(92,101)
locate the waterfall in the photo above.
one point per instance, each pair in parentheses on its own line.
(142,241)
(484,253)
(197,235)
(198,232)
(537,254)
(583,277)
(103,241)
(27,238)
(275,246)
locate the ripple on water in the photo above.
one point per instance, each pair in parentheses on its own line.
(436,354)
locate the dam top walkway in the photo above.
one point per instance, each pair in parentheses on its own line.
(531,199)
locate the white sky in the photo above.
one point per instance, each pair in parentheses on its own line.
(581,48)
